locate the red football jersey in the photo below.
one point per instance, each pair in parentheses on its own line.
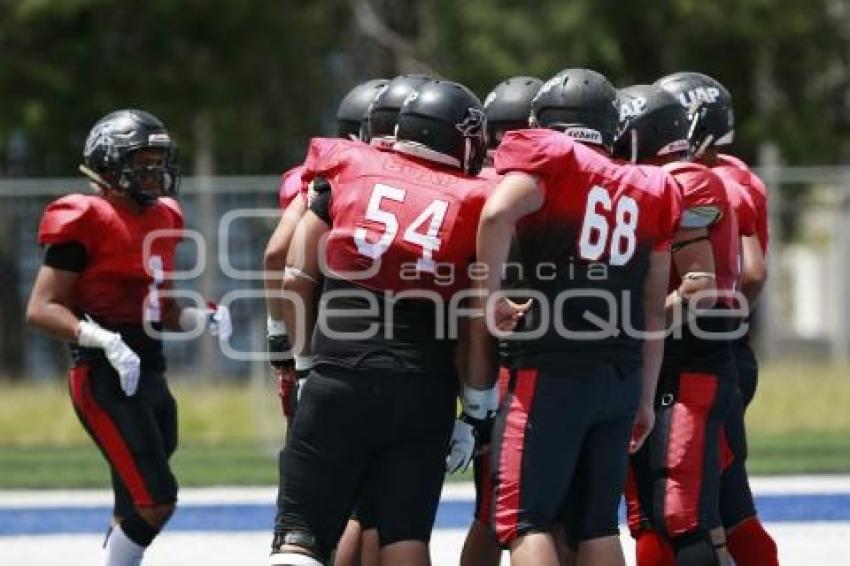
(753,213)
(413,221)
(291,185)
(117,276)
(488,173)
(595,232)
(703,189)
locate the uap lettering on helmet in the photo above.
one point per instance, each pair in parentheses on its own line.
(632,108)
(410,98)
(691,98)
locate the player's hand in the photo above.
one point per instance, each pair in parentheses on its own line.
(291,382)
(507,314)
(126,362)
(473,428)
(644,421)
(461,448)
(280,353)
(287,390)
(219,323)
(120,356)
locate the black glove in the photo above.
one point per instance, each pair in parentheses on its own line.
(280,352)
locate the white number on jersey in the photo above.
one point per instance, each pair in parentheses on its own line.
(593,240)
(415,233)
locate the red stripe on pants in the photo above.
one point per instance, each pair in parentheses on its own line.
(510,457)
(634,514)
(485,509)
(108,436)
(685,451)
(727,457)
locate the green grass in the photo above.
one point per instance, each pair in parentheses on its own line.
(798,423)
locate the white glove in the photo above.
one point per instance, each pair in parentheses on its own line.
(461,448)
(220,324)
(215,318)
(121,357)
(472,428)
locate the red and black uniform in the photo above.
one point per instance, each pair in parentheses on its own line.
(118,288)
(482,470)
(675,482)
(379,406)
(749,198)
(560,439)
(750,202)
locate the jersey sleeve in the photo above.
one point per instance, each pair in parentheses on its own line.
(71,218)
(291,186)
(702,192)
(178,221)
(536,152)
(670,216)
(323,159)
(745,211)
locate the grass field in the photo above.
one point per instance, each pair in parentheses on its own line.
(799,423)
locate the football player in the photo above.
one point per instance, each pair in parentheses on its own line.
(349,118)
(594,242)
(507,107)
(676,476)
(358,544)
(398,232)
(103,288)
(712,128)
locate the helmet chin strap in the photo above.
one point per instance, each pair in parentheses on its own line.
(94,177)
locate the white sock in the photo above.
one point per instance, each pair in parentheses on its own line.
(120,550)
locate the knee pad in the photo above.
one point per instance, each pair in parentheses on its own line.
(651,549)
(696,549)
(751,545)
(138,530)
(301,539)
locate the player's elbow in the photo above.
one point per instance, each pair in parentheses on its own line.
(35,313)
(274,258)
(494,220)
(754,277)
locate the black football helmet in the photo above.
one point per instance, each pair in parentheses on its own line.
(352,110)
(111,144)
(580,102)
(508,107)
(443,122)
(709,107)
(382,115)
(652,124)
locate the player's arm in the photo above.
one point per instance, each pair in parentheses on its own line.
(517,195)
(693,259)
(274,258)
(49,308)
(753,268)
(301,279)
(652,348)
